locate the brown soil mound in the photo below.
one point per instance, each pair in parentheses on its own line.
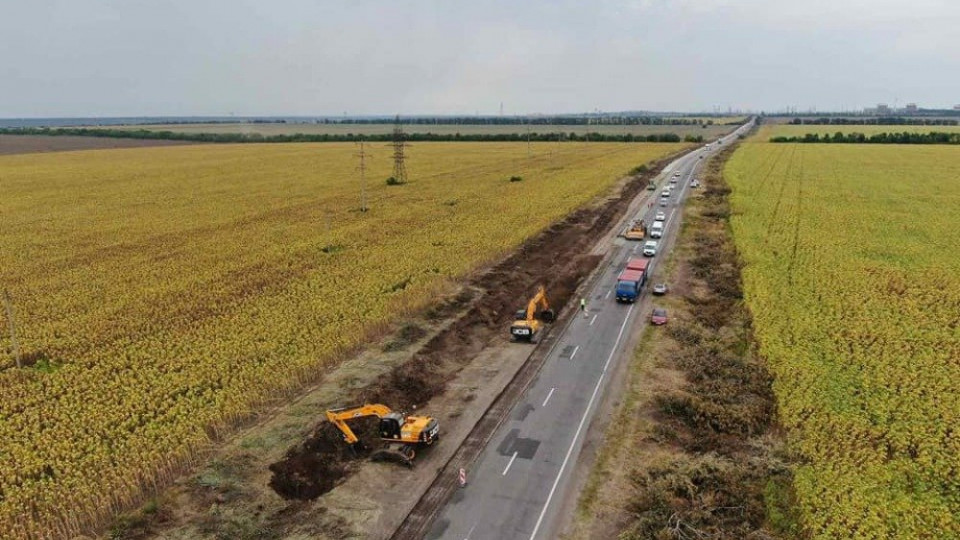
(557,258)
(322,461)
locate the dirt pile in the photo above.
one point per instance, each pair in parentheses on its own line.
(558,258)
(322,461)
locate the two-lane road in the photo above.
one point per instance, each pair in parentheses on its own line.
(520,477)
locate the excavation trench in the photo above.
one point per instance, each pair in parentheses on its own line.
(558,257)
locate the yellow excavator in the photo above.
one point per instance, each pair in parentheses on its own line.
(637,231)
(400,434)
(527,322)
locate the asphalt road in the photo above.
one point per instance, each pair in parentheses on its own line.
(516,486)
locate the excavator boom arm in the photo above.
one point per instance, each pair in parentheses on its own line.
(540,299)
(339,417)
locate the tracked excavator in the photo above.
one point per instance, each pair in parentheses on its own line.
(400,434)
(527,322)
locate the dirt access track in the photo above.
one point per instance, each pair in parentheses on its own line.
(290,476)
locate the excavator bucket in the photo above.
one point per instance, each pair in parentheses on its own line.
(359,448)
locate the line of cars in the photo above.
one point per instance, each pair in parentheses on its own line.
(634,276)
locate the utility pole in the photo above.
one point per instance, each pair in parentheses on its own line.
(13,327)
(399,158)
(525,121)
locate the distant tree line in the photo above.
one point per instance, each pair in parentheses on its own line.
(350,137)
(624,120)
(877,121)
(934,137)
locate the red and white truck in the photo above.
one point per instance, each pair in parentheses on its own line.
(631,280)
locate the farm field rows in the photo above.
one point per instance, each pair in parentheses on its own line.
(852,273)
(31,144)
(788,130)
(708,132)
(162,293)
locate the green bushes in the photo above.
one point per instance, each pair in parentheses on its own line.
(906,137)
(348,137)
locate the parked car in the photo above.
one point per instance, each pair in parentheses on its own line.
(659,316)
(651,186)
(660,289)
(650,248)
(695,184)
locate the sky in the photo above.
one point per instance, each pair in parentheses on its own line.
(369,57)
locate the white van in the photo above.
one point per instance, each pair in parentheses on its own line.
(656,230)
(650,248)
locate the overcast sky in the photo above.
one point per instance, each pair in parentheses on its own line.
(317,57)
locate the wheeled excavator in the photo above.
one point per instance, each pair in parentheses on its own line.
(400,434)
(527,322)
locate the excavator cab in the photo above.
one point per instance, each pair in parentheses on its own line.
(390,426)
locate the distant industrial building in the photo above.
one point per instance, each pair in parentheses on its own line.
(911,108)
(883,108)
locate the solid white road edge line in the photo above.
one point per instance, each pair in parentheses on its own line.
(509,464)
(583,420)
(548,397)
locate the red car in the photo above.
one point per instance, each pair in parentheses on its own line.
(659,316)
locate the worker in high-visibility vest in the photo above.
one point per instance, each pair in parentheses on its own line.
(583,306)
